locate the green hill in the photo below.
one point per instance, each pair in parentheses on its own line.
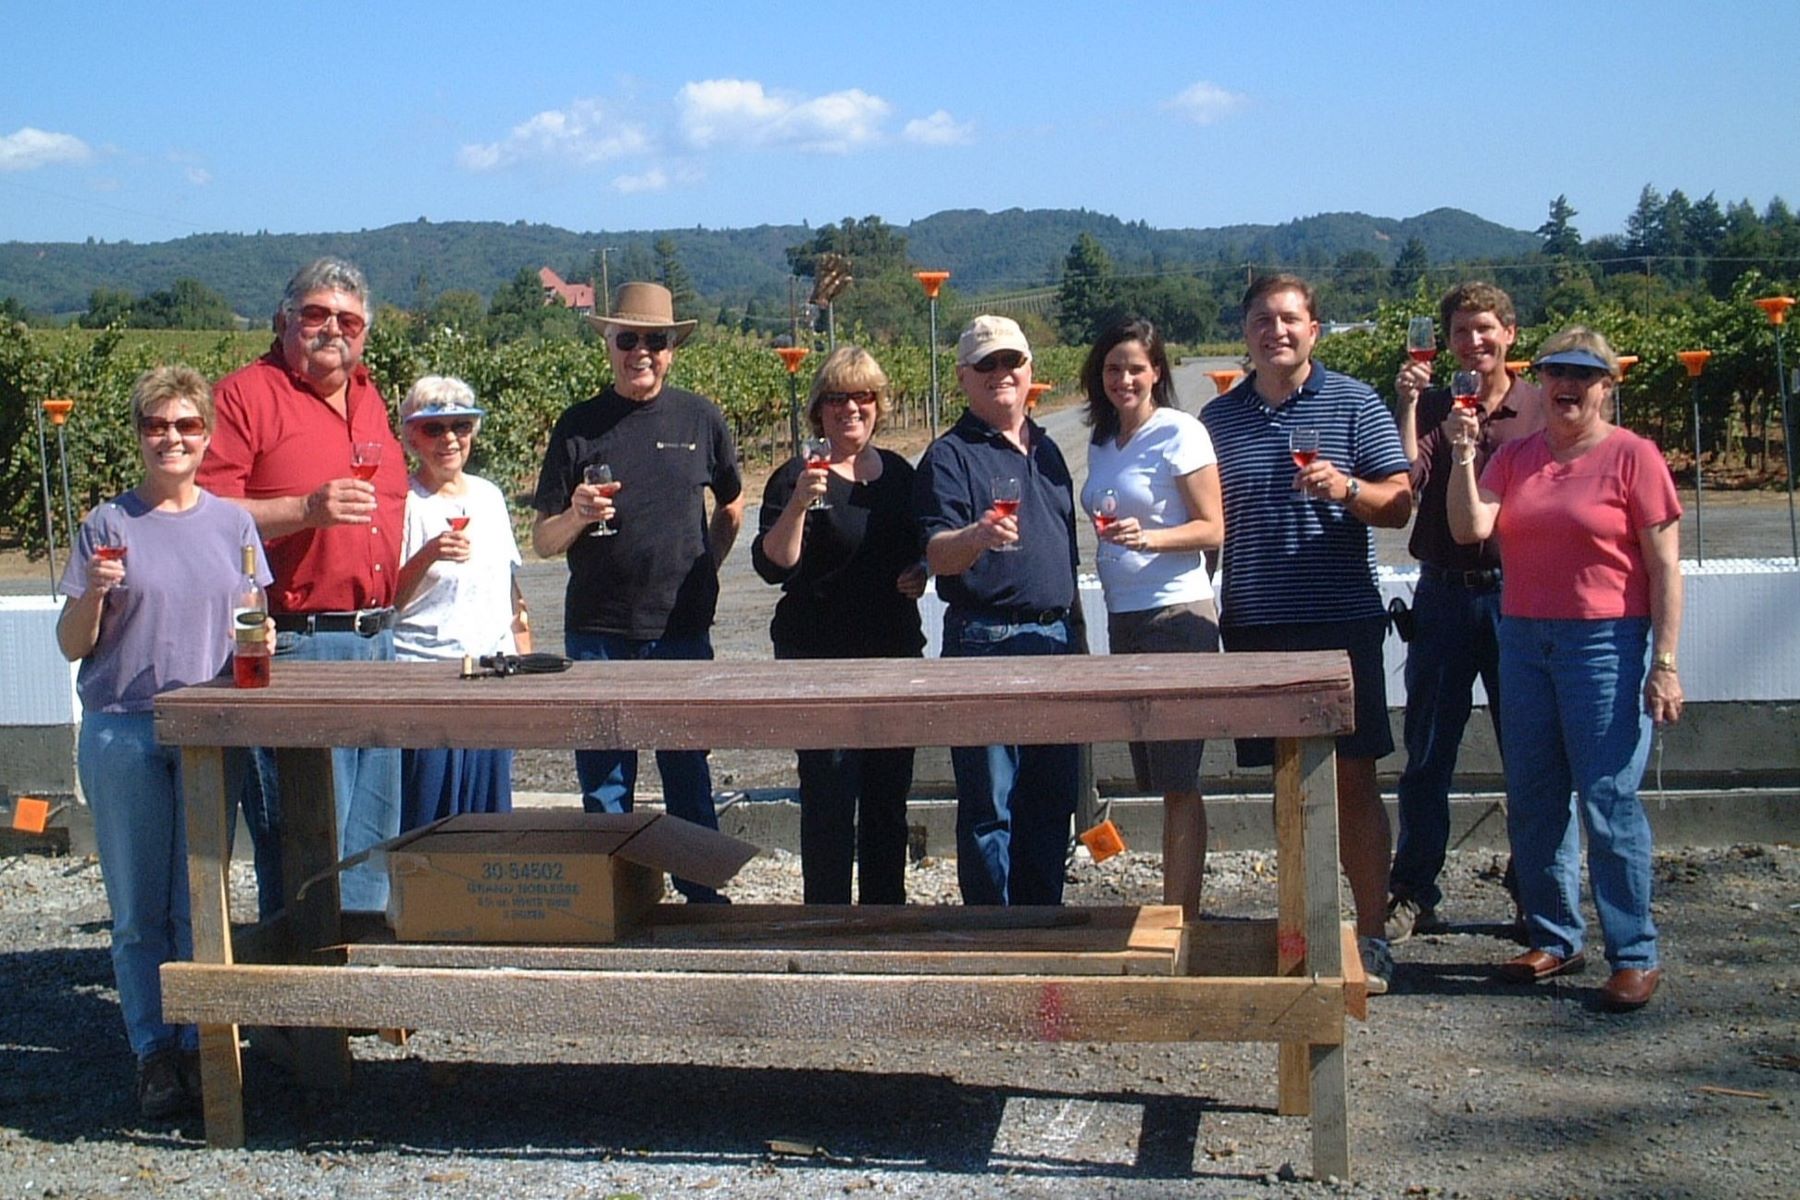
(987,252)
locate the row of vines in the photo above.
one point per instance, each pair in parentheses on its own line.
(523,386)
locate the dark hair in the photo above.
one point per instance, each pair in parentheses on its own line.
(1476,296)
(1101,415)
(1265,285)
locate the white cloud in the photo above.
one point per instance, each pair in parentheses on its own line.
(583,134)
(198,176)
(654,180)
(740,111)
(1203,103)
(939,129)
(31,148)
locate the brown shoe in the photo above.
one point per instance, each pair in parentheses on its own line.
(1630,988)
(1535,966)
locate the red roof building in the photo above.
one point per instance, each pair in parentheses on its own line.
(578,296)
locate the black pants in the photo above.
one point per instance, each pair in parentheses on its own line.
(853,808)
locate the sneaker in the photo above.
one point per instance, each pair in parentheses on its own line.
(1406,916)
(159,1092)
(1378,963)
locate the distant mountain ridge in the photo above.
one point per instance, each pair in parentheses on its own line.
(1017,248)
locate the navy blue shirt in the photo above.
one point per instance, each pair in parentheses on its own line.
(954,488)
(1289,557)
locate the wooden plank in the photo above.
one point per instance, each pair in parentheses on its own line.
(871,961)
(775,1007)
(1307,939)
(1330,1115)
(209,858)
(863,702)
(309,845)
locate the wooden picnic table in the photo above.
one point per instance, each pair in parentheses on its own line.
(927,973)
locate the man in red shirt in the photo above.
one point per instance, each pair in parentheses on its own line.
(303,443)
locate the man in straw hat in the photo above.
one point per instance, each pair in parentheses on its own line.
(994,498)
(643,555)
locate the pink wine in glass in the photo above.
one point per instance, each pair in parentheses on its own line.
(1102,523)
(1006,508)
(112,553)
(365,470)
(1304,458)
(1423,354)
(459,523)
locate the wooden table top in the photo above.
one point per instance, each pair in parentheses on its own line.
(811,704)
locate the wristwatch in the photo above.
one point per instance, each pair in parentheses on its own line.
(1663,662)
(1353,489)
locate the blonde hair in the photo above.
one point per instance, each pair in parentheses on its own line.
(847,369)
(172,382)
(1580,337)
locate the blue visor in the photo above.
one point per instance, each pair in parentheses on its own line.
(1574,358)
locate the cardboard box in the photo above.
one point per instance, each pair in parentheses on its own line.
(570,877)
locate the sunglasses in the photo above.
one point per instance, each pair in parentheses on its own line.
(1000,360)
(314,316)
(437,429)
(1570,371)
(655,342)
(846,397)
(187,427)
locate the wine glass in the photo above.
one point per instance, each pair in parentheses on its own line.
(109,546)
(365,459)
(1421,339)
(1465,390)
(600,475)
(1303,448)
(1006,502)
(1105,511)
(459,518)
(817,452)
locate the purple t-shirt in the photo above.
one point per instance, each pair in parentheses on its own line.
(171,624)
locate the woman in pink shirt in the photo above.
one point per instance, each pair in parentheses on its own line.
(1590,617)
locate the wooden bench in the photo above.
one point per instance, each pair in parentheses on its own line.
(1046,974)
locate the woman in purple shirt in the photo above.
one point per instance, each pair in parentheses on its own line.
(151,586)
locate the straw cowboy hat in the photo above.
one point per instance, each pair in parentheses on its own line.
(643,306)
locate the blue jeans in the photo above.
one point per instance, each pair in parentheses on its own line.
(1013,803)
(365,786)
(133,787)
(1456,639)
(1575,720)
(609,777)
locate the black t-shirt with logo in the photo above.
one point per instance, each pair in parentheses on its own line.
(655,577)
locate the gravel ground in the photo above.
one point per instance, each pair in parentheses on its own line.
(1459,1086)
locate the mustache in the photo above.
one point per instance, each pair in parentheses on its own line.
(324,341)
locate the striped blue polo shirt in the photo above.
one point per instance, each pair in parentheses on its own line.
(1289,558)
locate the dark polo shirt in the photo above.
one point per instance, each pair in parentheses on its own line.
(954,487)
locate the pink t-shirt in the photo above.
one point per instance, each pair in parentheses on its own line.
(1569,532)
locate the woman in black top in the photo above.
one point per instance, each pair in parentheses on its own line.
(851,575)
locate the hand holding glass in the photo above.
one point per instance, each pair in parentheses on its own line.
(600,475)
(817,452)
(1303,448)
(110,547)
(1006,503)
(1421,339)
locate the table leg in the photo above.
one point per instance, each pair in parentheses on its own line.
(1308,939)
(309,845)
(209,813)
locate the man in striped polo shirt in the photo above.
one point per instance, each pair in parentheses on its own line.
(1309,460)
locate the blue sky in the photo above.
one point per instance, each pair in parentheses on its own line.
(152,122)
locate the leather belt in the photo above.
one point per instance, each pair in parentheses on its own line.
(364,622)
(1018,616)
(1475,581)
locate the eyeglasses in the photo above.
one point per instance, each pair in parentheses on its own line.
(655,342)
(1000,360)
(847,397)
(1584,375)
(314,316)
(437,429)
(187,427)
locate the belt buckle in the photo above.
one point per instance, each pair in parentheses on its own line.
(367,622)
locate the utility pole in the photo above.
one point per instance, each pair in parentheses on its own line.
(605,283)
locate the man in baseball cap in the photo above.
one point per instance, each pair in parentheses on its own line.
(994,498)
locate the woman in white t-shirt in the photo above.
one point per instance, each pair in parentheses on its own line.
(458,593)
(1153,490)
